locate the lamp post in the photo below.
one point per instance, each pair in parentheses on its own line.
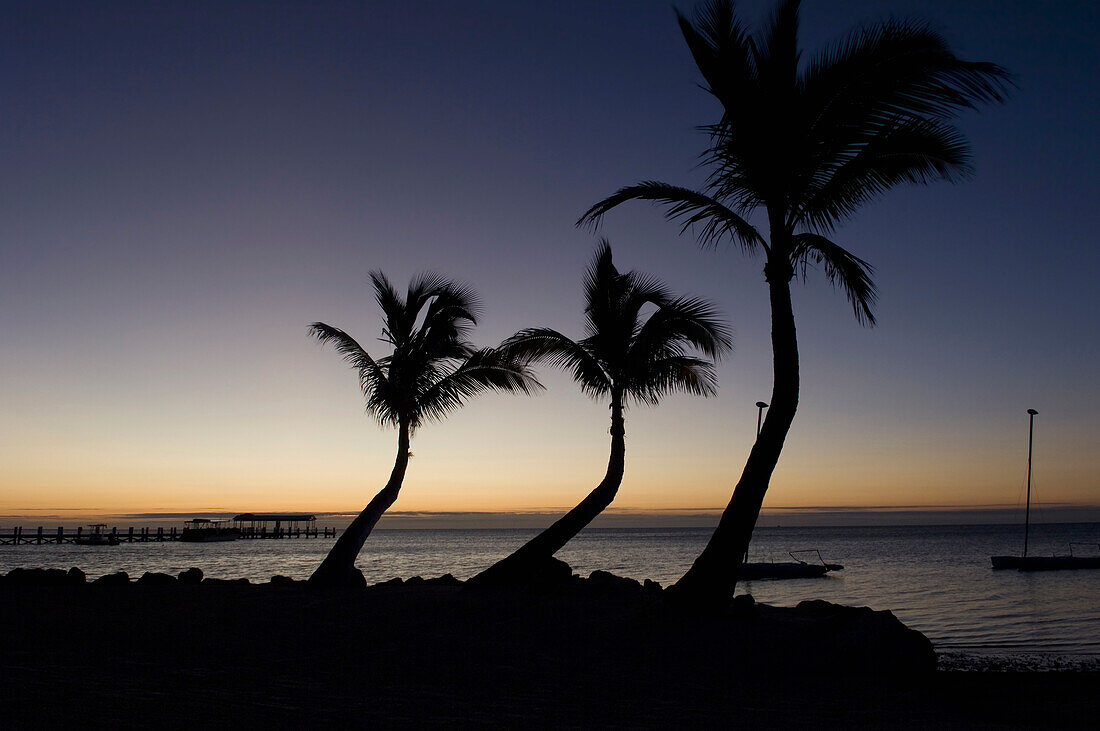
(760,406)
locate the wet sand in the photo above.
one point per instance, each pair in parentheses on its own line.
(222,655)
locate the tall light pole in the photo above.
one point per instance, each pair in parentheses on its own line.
(1027,511)
(760,406)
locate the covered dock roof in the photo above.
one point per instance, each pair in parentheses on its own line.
(261,517)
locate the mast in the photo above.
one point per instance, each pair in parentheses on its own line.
(1027,511)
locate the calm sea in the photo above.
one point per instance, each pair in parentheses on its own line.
(936,579)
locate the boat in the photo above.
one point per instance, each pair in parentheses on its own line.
(797,569)
(1040,563)
(204,530)
(1046,563)
(97,537)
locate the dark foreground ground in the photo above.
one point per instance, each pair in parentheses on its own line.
(219,656)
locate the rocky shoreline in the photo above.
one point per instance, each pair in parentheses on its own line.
(601,650)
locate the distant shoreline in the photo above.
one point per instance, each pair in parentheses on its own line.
(691,518)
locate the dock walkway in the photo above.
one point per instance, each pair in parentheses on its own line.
(17,536)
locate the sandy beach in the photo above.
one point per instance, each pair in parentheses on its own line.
(591,654)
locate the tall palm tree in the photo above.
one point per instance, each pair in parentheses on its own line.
(431,371)
(805,144)
(624,357)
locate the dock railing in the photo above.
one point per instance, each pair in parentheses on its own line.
(17,536)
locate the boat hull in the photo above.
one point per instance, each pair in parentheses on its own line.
(95,541)
(753,571)
(1045,563)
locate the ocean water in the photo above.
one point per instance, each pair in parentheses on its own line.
(936,579)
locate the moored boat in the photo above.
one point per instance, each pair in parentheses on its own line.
(1040,563)
(797,569)
(97,537)
(204,530)
(1045,563)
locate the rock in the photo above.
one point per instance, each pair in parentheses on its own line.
(866,640)
(444,580)
(609,582)
(414,581)
(225,582)
(651,587)
(280,580)
(743,606)
(151,578)
(541,573)
(822,608)
(76,576)
(395,581)
(116,579)
(37,577)
(328,577)
(191,576)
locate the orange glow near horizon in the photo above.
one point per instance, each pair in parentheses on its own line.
(538,459)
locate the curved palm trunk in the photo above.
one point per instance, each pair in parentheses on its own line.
(518,566)
(713,577)
(339,565)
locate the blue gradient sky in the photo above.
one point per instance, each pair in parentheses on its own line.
(185,186)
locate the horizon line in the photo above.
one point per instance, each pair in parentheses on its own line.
(791,510)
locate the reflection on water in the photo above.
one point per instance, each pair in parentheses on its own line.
(934,578)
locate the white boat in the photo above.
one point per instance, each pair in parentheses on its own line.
(98,536)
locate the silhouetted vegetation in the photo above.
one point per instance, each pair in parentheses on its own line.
(432,370)
(624,357)
(805,143)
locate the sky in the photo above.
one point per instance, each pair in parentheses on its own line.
(184,187)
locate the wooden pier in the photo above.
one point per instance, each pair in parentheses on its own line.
(18,536)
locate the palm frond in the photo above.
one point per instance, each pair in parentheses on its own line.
(452,311)
(622,347)
(373,379)
(684,321)
(912,151)
(685,206)
(444,297)
(900,67)
(393,307)
(776,47)
(433,367)
(722,50)
(676,373)
(842,269)
(545,345)
(485,370)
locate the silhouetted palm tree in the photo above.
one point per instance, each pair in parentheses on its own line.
(623,357)
(808,143)
(432,370)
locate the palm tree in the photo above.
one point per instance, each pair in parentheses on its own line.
(624,357)
(806,144)
(432,370)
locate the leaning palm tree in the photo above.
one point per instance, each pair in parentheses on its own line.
(805,144)
(431,371)
(624,357)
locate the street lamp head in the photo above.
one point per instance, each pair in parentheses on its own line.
(1033,412)
(761,405)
